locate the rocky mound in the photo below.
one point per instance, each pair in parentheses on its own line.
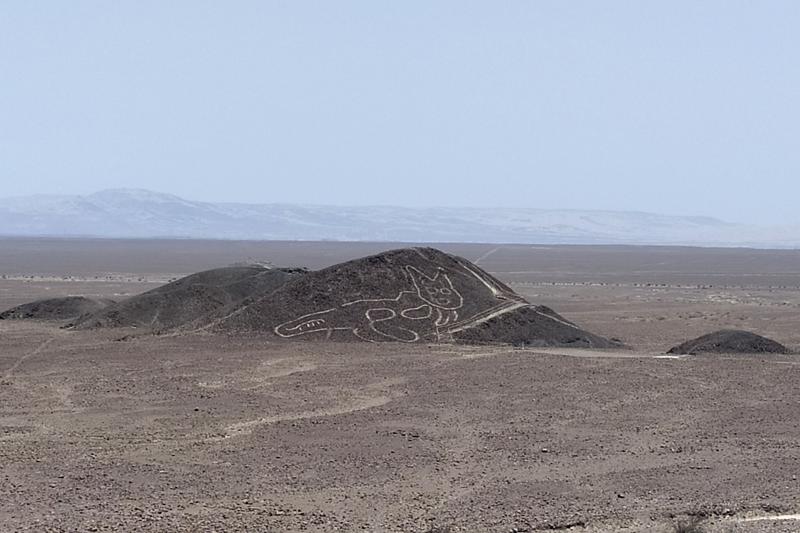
(407,295)
(729,341)
(187,299)
(532,325)
(67,308)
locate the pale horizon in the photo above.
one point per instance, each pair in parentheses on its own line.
(680,108)
(189,198)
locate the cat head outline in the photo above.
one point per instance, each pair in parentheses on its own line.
(437,291)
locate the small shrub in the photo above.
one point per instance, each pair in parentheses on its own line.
(691,525)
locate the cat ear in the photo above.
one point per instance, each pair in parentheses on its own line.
(447,280)
(415,274)
(420,277)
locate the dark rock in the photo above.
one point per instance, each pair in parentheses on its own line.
(66,308)
(190,298)
(729,341)
(533,326)
(406,295)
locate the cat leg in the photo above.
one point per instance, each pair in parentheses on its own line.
(380,322)
(417,313)
(305,324)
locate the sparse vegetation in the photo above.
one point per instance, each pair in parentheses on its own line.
(692,524)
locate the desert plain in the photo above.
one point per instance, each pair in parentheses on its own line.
(111,430)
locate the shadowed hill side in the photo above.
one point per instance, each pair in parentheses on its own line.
(189,298)
(405,295)
(533,325)
(729,341)
(67,308)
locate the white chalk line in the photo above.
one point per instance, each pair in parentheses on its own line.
(487,254)
(497,293)
(416,277)
(407,313)
(27,356)
(555,319)
(510,303)
(301,321)
(359,404)
(773,518)
(485,317)
(307,324)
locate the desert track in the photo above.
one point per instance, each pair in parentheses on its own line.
(36,351)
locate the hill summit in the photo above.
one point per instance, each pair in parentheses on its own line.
(729,341)
(406,295)
(68,307)
(188,299)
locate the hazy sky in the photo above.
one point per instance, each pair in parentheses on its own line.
(686,107)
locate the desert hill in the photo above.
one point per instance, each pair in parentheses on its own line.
(729,341)
(189,298)
(405,295)
(532,325)
(67,308)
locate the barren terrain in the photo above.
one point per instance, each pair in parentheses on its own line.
(207,432)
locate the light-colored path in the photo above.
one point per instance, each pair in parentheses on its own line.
(357,404)
(39,349)
(773,518)
(486,255)
(481,318)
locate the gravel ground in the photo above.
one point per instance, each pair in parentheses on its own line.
(213,433)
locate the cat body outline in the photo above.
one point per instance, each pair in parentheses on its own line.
(388,319)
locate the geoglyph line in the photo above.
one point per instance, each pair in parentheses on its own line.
(444,325)
(773,518)
(436,292)
(358,404)
(488,316)
(487,254)
(551,317)
(491,286)
(39,349)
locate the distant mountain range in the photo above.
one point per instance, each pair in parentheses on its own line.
(140,213)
